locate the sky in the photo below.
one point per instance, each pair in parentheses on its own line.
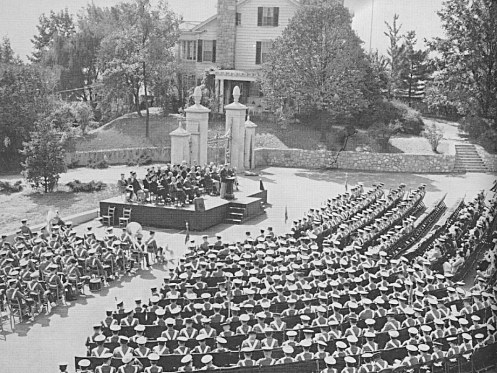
(18,18)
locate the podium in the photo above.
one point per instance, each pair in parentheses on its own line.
(230,181)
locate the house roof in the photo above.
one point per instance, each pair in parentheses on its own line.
(295,2)
(188,26)
(202,24)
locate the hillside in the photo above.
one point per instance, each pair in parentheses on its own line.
(128,131)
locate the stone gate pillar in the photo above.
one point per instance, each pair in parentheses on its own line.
(197,123)
(249,153)
(180,145)
(235,121)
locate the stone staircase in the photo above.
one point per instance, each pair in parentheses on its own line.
(468,159)
(236,214)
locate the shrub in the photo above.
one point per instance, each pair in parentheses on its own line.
(77,186)
(142,160)
(488,140)
(411,120)
(8,188)
(434,135)
(100,163)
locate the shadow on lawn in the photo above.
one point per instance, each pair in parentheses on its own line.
(60,199)
(391,180)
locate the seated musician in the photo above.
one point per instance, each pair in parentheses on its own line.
(177,190)
(93,264)
(16,297)
(54,283)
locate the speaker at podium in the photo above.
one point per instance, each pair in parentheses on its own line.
(199,204)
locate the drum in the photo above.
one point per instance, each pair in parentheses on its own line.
(95,285)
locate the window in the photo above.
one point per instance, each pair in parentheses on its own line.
(209,50)
(262,49)
(206,50)
(268,16)
(238,20)
(188,50)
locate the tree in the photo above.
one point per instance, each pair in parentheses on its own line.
(395,52)
(318,65)
(7,55)
(54,25)
(44,157)
(139,47)
(23,96)
(467,57)
(434,135)
(413,70)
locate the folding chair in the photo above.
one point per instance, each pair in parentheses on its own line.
(109,219)
(124,220)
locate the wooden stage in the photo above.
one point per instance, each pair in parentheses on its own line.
(217,211)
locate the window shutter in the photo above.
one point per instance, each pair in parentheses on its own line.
(276,14)
(258,52)
(213,51)
(200,44)
(259,16)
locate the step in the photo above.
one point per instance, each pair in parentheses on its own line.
(235,215)
(233,221)
(237,208)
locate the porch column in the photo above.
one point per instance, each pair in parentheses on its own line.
(221,95)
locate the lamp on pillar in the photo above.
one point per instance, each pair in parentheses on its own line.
(197,95)
(236,94)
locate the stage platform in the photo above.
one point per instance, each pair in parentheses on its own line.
(217,211)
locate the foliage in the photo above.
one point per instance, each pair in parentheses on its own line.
(49,28)
(8,188)
(434,135)
(410,119)
(77,186)
(408,67)
(318,65)
(44,156)
(413,71)
(141,40)
(142,160)
(382,132)
(394,53)
(466,58)
(7,55)
(82,113)
(23,95)
(480,130)
(98,163)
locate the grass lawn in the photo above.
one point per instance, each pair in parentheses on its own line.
(34,205)
(128,131)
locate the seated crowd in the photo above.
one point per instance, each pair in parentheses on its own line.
(175,183)
(40,269)
(326,293)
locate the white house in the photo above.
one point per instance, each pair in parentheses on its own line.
(234,43)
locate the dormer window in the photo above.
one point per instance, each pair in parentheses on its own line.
(268,16)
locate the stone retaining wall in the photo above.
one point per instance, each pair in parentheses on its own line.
(361,161)
(490,160)
(118,156)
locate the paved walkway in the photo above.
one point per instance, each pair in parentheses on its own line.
(61,335)
(420,145)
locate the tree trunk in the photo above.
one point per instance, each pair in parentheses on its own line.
(323,126)
(136,96)
(147,116)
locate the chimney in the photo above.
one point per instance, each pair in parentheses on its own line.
(226,34)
